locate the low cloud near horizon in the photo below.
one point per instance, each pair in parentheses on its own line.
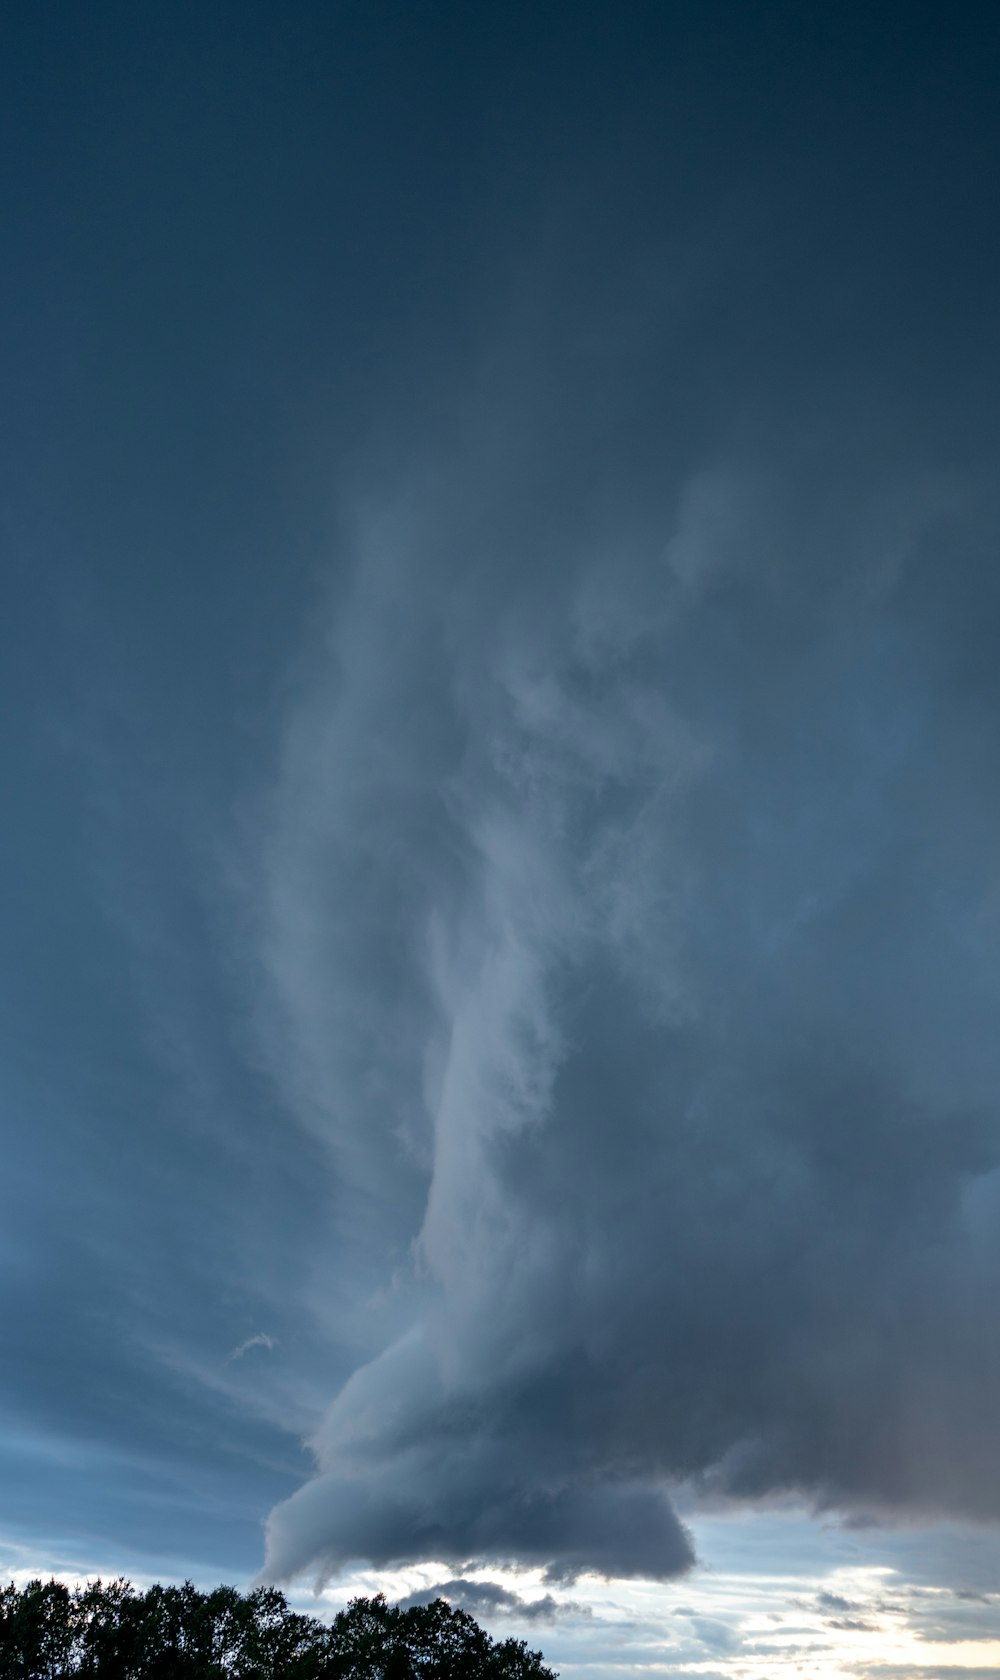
(487,1599)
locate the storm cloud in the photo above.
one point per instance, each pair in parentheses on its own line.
(502,968)
(631,918)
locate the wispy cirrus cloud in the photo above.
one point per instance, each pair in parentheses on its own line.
(259,1340)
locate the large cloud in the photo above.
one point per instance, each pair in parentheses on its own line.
(628,931)
(634,926)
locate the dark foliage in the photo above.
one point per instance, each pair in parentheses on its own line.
(111,1630)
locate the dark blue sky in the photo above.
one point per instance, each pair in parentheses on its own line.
(498,931)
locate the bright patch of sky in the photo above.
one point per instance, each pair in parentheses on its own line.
(832,1603)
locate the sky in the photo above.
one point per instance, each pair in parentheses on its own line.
(499,899)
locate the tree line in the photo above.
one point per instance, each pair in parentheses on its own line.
(113,1630)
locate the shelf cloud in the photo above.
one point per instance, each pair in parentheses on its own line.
(630,909)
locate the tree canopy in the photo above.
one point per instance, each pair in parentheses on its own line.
(115,1631)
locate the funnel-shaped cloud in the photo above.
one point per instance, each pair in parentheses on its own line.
(406,1479)
(635,939)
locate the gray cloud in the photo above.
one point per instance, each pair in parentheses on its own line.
(717,1636)
(404,1477)
(631,900)
(489,1598)
(834,1601)
(943,1671)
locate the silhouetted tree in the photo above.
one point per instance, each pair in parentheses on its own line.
(111,1631)
(36,1631)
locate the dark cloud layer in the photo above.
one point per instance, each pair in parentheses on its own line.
(519,951)
(486,1599)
